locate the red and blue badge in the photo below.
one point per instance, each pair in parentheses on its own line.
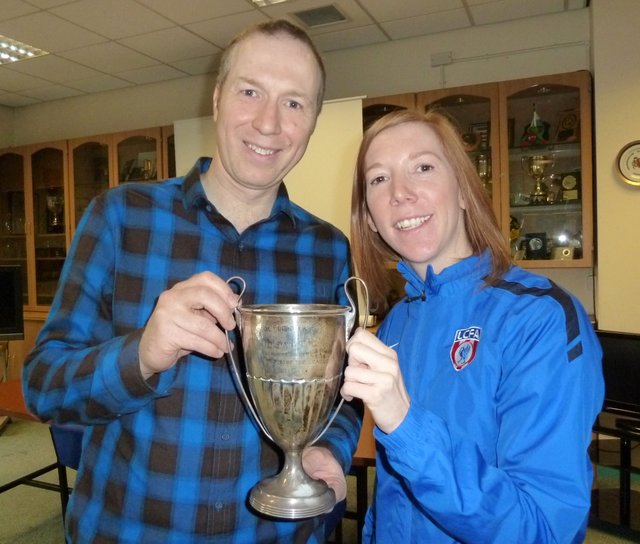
(464,347)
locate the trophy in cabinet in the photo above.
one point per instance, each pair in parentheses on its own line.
(536,166)
(483,167)
(55,212)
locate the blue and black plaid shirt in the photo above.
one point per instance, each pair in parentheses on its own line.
(173,460)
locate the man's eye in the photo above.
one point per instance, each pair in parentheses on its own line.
(248,92)
(294,105)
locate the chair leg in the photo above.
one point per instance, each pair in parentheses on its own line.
(625,481)
(64,489)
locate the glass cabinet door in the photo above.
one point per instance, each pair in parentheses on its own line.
(549,171)
(474,109)
(90,175)
(13,248)
(137,157)
(47,178)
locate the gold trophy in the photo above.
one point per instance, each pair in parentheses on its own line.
(293,362)
(536,166)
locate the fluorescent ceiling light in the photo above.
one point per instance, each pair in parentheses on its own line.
(264,3)
(13,50)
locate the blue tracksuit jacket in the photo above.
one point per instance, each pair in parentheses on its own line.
(505,384)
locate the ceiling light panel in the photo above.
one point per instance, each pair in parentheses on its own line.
(14,51)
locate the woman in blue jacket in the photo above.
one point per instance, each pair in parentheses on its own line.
(485,379)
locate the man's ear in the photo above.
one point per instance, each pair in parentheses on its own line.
(216,96)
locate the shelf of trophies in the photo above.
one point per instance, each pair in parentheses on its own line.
(530,140)
(45,188)
(548,200)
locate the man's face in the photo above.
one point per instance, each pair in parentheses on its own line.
(265,111)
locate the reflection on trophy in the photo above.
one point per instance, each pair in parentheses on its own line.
(55,213)
(293,361)
(536,166)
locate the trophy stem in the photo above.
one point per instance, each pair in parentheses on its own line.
(292,494)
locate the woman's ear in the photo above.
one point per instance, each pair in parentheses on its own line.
(371,224)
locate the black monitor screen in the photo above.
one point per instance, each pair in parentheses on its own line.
(621,368)
(11,324)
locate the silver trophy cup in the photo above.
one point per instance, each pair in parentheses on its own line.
(293,362)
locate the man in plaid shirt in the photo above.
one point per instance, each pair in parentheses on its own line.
(134,345)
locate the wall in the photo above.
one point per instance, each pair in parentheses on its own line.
(6,126)
(617,120)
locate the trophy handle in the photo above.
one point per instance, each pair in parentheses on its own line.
(351,319)
(235,373)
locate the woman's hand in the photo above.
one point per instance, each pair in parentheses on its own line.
(373,375)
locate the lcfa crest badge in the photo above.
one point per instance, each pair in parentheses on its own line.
(464,347)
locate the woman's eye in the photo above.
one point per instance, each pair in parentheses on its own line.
(376,180)
(248,92)
(424,167)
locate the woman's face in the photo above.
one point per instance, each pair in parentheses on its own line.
(413,197)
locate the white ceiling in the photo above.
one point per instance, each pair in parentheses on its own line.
(100,45)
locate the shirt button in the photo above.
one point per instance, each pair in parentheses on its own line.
(218,506)
(209,208)
(225,436)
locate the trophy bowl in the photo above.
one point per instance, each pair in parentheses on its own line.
(293,357)
(537,166)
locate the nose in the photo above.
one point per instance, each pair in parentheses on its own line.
(401,191)
(267,118)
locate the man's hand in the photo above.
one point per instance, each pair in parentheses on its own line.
(320,464)
(191,316)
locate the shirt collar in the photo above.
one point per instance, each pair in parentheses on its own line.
(194,195)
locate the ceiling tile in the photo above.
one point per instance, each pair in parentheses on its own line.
(442,21)
(354,37)
(48,32)
(10,80)
(196,10)
(201,65)
(16,100)
(52,92)
(15,8)
(507,10)
(106,18)
(220,31)
(171,44)
(383,10)
(53,69)
(151,74)
(98,84)
(109,57)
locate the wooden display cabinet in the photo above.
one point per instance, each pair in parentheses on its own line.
(44,190)
(539,174)
(474,110)
(374,108)
(546,164)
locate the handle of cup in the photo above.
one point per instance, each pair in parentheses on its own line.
(235,372)
(350,322)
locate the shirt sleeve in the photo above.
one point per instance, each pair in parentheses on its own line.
(538,490)
(83,368)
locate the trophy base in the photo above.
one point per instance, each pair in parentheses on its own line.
(311,499)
